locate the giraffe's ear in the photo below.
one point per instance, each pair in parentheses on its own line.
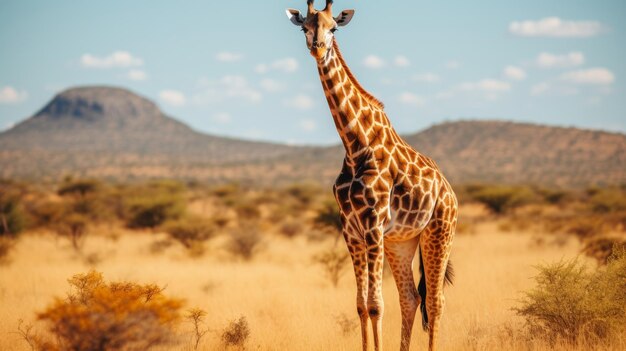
(295,17)
(344,17)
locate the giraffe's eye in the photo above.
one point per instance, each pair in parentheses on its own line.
(333,30)
(304,30)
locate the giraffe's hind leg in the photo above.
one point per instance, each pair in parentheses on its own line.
(400,255)
(435,245)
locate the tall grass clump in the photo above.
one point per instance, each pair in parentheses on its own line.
(574,305)
(236,334)
(97,316)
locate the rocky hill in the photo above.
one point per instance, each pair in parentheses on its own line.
(113,133)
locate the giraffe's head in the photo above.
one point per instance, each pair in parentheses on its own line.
(319,26)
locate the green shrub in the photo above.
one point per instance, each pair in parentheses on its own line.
(247,209)
(501,199)
(79,187)
(12,216)
(608,200)
(576,306)
(554,197)
(45,213)
(328,216)
(150,212)
(190,231)
(303,194)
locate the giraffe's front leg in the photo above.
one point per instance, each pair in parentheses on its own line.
(375,304)
(358,253)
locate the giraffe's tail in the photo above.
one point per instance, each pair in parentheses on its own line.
(421,287)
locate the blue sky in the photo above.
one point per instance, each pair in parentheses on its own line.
(240,68)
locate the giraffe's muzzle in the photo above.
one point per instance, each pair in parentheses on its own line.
(318,50)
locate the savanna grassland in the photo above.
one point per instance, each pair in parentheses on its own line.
(88,265)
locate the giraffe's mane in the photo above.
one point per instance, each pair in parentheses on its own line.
(369,97)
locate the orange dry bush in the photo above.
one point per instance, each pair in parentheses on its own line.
(97,315)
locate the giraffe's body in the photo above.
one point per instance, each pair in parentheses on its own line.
(392,199)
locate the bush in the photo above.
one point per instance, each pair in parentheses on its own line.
(98,315)
(236,333)
(573,305)
(328,216)
(608,200)
(196,317)
(150,212)
(190,231)
(12,216)
(303,194)
(79,187)
(291,228)
(603,247)
(73,226)
(244,242)
(334,262)
(247,210)
(46,213)
(501,199)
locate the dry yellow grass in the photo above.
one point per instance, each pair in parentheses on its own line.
(289,303)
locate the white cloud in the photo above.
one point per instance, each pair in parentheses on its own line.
(308,125)
(300,102)
(228,87)
(453,64)
(401,61)
(556,27)
(137,74)
(173,97)
(222,117)
(225,56)
(116,59)
(487,88)
(553,88)
(271,85)
(548,60)
(411,99)
(10,95)
(514,73)
(373,61)
(286,65)
(540,89)
(486,85)
(426,78)
(595,76)
(261,68)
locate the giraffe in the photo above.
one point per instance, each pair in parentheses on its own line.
(393,201)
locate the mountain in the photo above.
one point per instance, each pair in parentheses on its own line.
(113,133)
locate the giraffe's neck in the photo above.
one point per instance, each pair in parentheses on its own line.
(358,116)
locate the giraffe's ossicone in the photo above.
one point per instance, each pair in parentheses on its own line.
(393,200)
